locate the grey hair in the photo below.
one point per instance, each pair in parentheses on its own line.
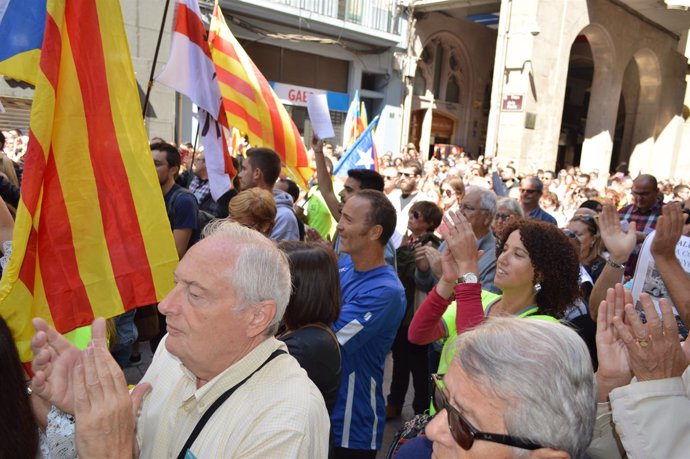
(536,182)
(511,205)
(543,370)
(261,271)
(487,200)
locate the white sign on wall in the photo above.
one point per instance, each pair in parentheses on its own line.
(294,95)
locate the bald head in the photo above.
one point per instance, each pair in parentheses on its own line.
(645,191)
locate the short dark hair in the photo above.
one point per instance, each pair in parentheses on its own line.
(292,188)
(368,179)
(414,164)
(267,161)
(315,296)
(381,212)
(172,154)
(430,211)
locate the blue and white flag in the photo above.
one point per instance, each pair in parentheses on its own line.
(361,155)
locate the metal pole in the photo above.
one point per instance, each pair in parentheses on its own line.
(149,86)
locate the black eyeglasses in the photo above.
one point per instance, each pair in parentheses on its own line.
(463,432)
(406,174)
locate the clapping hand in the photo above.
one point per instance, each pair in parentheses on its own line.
(53,364)
(614,364)
(618,243)
(105,412)
(654,348)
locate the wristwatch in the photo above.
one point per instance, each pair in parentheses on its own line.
(467,278)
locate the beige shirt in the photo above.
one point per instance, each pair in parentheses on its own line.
(277,413)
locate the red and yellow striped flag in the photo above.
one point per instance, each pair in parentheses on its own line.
(91,238)
(251,104)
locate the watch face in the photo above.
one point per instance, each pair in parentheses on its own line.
(470,278)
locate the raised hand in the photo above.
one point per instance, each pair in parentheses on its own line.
(614,365)
(105,413)
(653,348)
(462,243)
(669,228)
(618,243)
(53,364)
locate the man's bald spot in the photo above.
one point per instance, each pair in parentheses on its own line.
(646,179)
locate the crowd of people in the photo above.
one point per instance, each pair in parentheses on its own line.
(503,295)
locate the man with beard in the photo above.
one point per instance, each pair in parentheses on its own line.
(406,195)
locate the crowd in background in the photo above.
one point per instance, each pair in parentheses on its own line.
(473,239)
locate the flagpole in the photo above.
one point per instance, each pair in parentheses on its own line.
(149,86)
(191,164)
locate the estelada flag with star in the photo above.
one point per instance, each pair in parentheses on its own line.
(91,238)
(361,155)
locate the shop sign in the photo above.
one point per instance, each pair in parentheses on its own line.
(294,95)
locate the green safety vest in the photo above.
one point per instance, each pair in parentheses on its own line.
(448,321)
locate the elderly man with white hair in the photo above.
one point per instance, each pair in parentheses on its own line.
(222,385)
(516,389)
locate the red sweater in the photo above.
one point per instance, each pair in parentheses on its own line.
(426,326)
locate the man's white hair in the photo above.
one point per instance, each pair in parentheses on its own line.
(260,271)
(543,370)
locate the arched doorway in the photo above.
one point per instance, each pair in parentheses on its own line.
(576,104)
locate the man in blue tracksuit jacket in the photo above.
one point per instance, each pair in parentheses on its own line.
(373,304)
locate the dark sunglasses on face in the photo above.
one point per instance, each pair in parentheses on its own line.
(463,432)
(528,191)
(406,174)
(502,217)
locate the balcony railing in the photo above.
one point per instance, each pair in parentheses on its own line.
(372,14)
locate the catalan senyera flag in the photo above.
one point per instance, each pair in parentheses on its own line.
(91,238)
(21,35)
(250,103)
(355,122)
(190,71)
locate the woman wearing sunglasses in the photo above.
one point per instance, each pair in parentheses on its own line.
(586,229)
(515,388)
(507,210)
(452,192)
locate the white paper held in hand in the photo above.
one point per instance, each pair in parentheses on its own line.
(317,106)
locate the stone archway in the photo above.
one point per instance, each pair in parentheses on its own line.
(645,128)
(604,96)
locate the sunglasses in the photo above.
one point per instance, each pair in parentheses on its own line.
(463,432)
(406,174)
(528,191)
(502,217)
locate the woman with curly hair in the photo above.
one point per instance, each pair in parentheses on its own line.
(537,270)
